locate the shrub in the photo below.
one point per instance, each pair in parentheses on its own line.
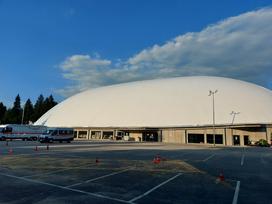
(263,143)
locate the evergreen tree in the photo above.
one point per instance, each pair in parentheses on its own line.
(28,112)
(49,103)
(38,108)
(14,115)
(3,110)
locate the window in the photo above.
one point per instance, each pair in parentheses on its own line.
(7,130)
(218,139)
(195,138)
(61,132)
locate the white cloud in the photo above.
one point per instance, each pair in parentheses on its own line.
(238,47)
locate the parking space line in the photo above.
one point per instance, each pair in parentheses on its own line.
(100,177)
(242,159)
(65,188)
(236,194)
(48,173)
(209,157)
(154,188)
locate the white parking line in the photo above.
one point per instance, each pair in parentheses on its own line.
(262,159)
(242,159)
(100,177)
(48,173)
(152,189)
(65,188)
(209,157)
(236,194)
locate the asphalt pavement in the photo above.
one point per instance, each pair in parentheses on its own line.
(128,172)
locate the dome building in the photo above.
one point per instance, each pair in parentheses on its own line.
(176,110)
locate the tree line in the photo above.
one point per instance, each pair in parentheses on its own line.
(27,113)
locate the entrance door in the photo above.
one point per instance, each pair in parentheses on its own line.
(150,136)
(236,139)
(246,140)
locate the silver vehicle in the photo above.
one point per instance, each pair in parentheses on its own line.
(57,134)
(24,132)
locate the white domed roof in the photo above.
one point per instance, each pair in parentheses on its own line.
(173,102)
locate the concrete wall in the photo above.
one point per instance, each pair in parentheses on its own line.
(269,134)
(173,136)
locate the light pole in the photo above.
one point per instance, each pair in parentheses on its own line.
(234,114)
(23,115)
(212,93)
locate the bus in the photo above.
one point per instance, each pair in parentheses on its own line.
(24,132)
(57,134)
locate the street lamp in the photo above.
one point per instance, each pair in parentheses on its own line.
(212,93)
(234,114)
(23,115)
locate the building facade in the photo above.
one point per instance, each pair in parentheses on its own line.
(177,110)
(235,135)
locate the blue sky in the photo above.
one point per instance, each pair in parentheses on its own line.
(63,47)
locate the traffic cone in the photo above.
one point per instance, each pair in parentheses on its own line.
(221,177)
(157,159)
(10,151)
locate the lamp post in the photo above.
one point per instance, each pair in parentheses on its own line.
(234,114)
(212,93)
(23,115)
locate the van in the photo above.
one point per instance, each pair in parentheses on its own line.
(57,134)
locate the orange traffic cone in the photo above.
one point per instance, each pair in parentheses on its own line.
(157,159)
(221,176)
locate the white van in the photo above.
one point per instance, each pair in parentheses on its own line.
(24,132)
(57,134)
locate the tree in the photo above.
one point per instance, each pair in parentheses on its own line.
(28,112)
(3,110)
(38,108)
(14,114)
(49,103)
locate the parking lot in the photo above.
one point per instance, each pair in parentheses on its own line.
(123,172)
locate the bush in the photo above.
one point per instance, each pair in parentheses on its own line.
(263,143)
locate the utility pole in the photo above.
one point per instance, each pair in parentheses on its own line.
(23,115)
(212,93)
(234,114)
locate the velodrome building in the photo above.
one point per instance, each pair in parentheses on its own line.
(175,110)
